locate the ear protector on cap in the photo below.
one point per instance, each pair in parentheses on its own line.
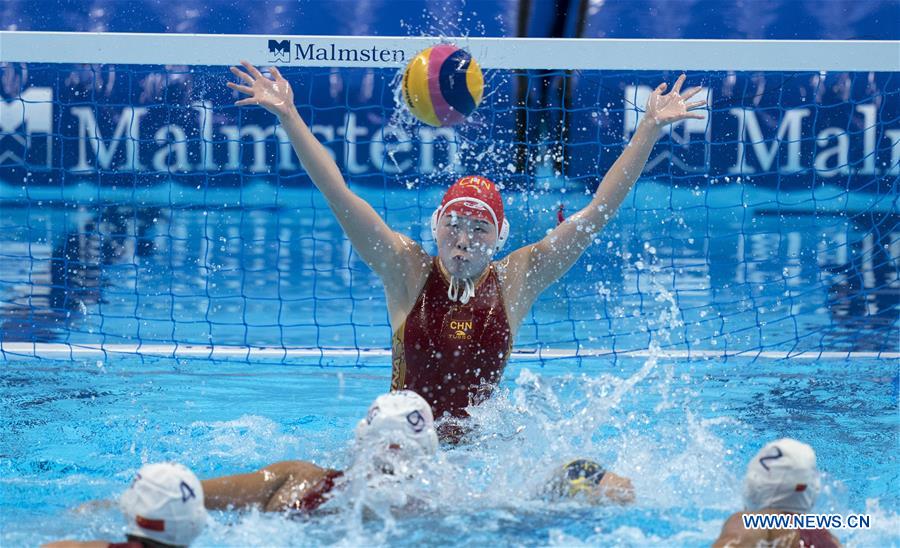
(502,234)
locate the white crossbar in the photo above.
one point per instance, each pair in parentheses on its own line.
(57,350)
(491,53)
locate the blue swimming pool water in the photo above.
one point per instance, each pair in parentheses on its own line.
(728,267)
(682,431)
(735,268)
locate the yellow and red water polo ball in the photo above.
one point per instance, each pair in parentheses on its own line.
(442,85)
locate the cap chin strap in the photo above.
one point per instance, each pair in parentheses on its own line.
(453,290)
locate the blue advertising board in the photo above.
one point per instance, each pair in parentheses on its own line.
(137,125)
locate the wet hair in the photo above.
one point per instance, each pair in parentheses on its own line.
(584,470)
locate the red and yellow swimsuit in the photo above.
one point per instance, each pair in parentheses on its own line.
(452,354)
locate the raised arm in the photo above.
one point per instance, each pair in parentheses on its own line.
(390,254)
(543,263)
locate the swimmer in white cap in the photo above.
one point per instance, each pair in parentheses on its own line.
(398,428)
(781,479)
(164,507)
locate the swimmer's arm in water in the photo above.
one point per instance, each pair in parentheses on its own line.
(94,506)
(391,255)
(267,488)
(546,261)
(617,489)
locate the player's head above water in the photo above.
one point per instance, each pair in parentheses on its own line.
(587,481)
(164,504)
(399,425)
(469,226)
(577,478)
(782,476)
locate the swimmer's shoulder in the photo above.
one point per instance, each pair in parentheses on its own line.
(501,264)
(504,271)
(404,282)
(735,535)
(518,295)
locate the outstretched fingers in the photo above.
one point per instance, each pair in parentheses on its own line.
(691,92)
(247,101)
(276,73)
(695,104)
(678,83)
(252,70)
(242,75)
(240,88)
